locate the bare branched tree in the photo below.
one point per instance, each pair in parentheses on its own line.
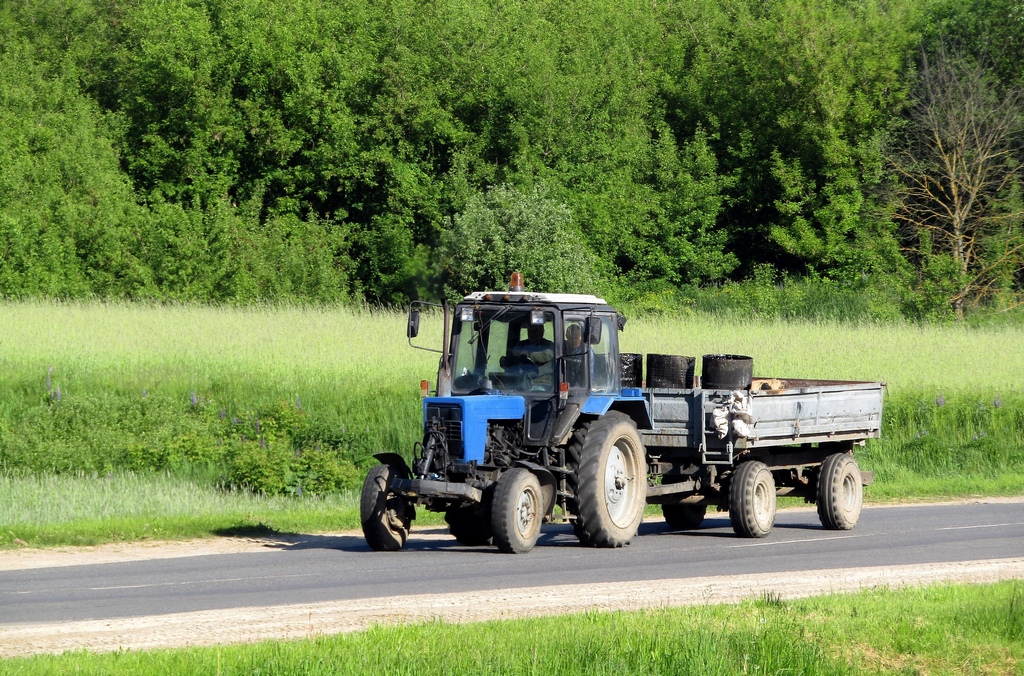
(959,170)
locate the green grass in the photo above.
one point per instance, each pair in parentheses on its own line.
(179,402)
(936,629)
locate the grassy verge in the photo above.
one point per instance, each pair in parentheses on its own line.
(937,629)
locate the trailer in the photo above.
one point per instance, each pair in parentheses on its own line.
(537,417)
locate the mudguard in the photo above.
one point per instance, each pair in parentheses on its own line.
(395,460)
(547,485)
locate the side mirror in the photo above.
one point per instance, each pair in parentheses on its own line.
(413,329)
(622,322)
(594,325)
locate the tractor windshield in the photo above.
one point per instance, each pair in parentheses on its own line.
(505,350)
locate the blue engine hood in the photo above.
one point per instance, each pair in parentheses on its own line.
(476,412)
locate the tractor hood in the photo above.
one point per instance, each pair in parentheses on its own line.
(465,419)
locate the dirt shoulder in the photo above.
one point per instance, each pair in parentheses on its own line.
(247,625)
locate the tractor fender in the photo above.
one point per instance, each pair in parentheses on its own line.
(395,460)
(547,485)
(633,406)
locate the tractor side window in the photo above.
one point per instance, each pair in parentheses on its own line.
(574,350)
(606,357)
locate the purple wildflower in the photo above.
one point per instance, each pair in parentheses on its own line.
(195,400)
(998,403)
(48,372)
(940,401)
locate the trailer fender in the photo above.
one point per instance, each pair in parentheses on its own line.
(395,460)
(547,485)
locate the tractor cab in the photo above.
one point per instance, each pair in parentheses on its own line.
(523,360)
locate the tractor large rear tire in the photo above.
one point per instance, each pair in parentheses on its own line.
(612,482)
(471,526)
(386,516)
(840,492)
(752,500)
(517,511)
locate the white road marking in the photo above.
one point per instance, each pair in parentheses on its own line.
(790,542)
(982,525)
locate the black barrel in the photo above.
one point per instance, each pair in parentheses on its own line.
(632,369)
(726,372)
(670,371)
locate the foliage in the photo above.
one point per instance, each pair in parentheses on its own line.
(959,184)
(506,230)
(221,150)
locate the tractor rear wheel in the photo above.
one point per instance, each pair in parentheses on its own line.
(471,526)
(840,492)
(752,500)
(386,516)
(612,482)
(517,511)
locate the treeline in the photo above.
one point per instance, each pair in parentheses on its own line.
(358,150)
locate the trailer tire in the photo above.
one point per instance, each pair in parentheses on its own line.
(470,526)
(612,482)
(840,492)
(517,511)
(684,517)
(752,500)
(386,517)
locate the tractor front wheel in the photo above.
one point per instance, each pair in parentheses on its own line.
(517,511)
(386,516)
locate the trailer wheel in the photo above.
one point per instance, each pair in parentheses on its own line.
(752,500)
(612,482)
(517,511)
(684,517)
(386,516)
(471,526)
(840,492)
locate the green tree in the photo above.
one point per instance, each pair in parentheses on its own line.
(67,213)
(507,229)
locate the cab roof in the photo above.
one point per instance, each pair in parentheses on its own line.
(531,297)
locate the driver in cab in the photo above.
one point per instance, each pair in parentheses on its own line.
(536,349)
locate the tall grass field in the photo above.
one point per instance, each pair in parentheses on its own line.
(116,417)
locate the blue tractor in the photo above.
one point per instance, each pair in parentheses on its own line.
(530,424)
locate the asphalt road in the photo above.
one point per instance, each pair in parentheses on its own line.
(321,568)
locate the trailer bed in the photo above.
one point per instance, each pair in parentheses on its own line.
(783,411)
